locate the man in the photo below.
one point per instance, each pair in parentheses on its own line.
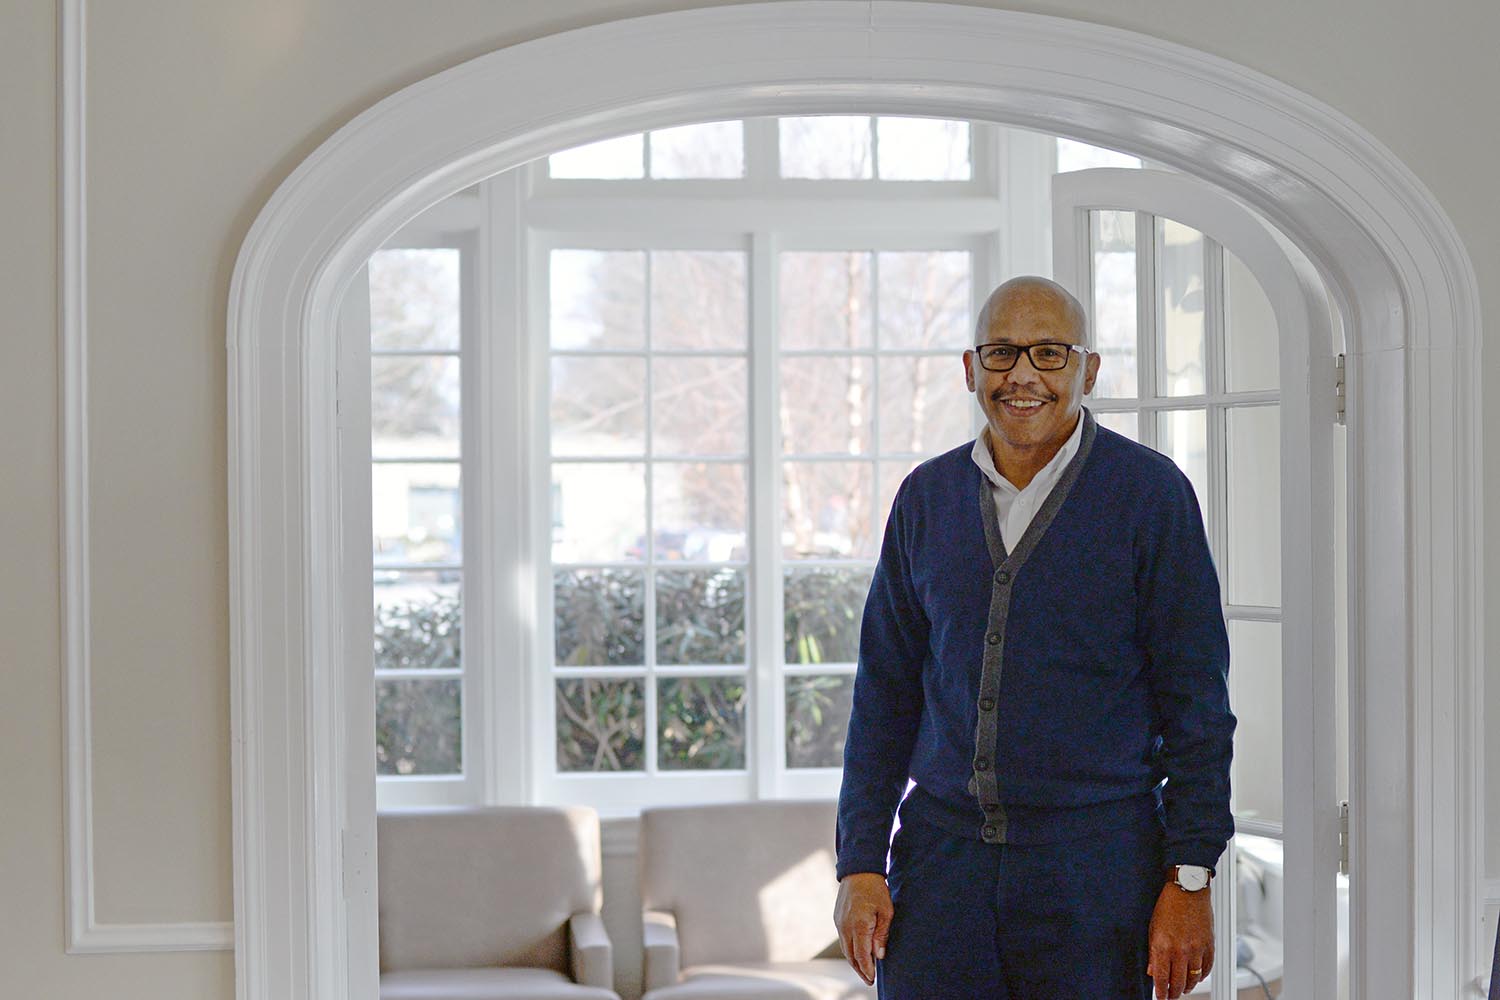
(1043,643)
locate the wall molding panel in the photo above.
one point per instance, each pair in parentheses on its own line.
(85,933)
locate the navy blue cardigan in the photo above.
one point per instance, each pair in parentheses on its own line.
(1095,653)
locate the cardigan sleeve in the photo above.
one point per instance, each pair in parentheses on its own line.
(1181,624)
(893,642)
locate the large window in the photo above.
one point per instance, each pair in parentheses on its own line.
(728,343)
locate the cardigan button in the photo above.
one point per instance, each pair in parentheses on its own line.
(981,763)
(989,831)
(993,638)
(1002,576)
(986,704)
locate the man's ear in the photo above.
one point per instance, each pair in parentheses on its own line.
(969,370)
(1091,372)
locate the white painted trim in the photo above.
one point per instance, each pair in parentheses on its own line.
(1394,264)
(85,933)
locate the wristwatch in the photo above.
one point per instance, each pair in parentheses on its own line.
(1190,878)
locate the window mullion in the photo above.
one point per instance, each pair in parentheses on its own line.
(1145,324)
(1217,501)
(652,723)
(767,708)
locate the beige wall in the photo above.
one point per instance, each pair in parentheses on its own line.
(196,112)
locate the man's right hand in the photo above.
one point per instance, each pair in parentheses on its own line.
(863,916)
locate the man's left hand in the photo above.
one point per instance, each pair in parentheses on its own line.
(1182,940)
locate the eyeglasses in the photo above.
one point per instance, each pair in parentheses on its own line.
(1047,357)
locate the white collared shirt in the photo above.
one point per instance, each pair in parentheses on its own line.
(1016,507)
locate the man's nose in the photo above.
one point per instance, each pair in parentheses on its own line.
(1023,370)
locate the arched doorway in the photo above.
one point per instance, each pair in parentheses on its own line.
(1389,258)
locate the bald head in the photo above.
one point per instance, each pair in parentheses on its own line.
(1030,294)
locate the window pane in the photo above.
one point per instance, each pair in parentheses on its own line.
(1120,423)
(1255,505)
(414,300)
(1259,922)
(701,511)
(611,159)
(826,510)
(598,406)
(1113,242)
(924,300)
(418,727)
(824,301)
(701,723)
(817,719)
(418,620)
(1183,436)
(601,725)
(1252,349)
(1179,276)
(698,300)
(925,407)
(598,512)
(416,512)
(599,617)
(1074,155)
(598,299)
(712,149)
(1255,693)
(922,149)
(700,616)
(823,609)
(414,407)
(827,405)
(699,406)
(829,147)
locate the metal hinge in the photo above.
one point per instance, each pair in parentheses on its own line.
(1344,837)
(1339,391)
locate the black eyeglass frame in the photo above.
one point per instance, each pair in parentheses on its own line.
(984,351)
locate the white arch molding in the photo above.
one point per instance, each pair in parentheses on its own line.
(1393,264)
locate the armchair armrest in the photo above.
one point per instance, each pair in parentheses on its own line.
(590,951)
(663,953)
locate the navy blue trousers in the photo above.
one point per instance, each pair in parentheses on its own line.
(977,921)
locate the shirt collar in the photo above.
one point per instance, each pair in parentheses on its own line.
(986,461)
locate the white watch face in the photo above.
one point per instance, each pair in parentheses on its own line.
(1192,877)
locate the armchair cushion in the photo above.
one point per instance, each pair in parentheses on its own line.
(486,887)
(486,984)
(747,882)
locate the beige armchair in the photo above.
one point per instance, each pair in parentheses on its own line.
(492,904)
(738,903)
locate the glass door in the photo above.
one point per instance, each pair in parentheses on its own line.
(1209,334)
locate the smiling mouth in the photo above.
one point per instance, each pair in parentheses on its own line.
(1022,405)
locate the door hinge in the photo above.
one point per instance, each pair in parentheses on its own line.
(1339,390)
(1344,837)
